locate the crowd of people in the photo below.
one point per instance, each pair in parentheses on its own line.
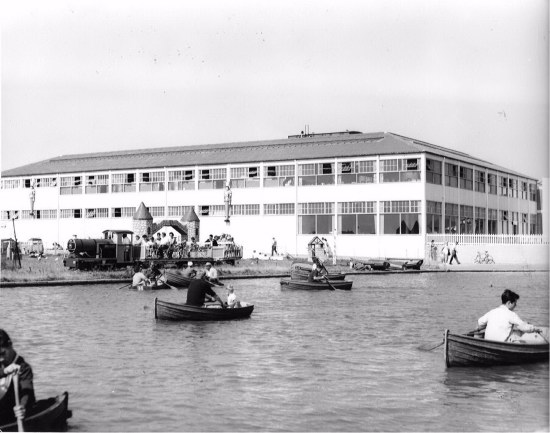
(167,245)
(448,253)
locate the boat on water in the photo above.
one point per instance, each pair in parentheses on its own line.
(175,279)
(472,351)
(46,415)
(165,310)
(288,283)
(300,271)
(159,286)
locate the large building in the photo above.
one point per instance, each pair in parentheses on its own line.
(371,195)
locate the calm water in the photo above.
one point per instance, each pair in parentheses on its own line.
(319,361)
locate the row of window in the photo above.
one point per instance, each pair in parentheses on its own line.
(477,180)
(465,219)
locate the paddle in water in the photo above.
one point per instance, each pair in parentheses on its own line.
(328,282)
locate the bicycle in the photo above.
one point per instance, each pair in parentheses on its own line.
(486,259)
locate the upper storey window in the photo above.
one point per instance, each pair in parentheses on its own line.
(492,182)
(71,185)
(123,182)
(97,184)
(279,175)
(151,181)
(316,174)
(181,180)
(466,178)
(400,170)
(433,171)
(212,178)
(479,180)
(451,175)
(350,172)
(245,177)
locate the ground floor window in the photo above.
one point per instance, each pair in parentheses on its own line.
(492,222)
(433,217)
(279,209)
(451,217)
(315,218)
(466,220)
(101,212)
(533,229)
(400,217)
(122,212)
(357,217)
(479,221)
(504,229)
(179,211)
(70,213)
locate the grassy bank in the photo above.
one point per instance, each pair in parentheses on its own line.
(51,269)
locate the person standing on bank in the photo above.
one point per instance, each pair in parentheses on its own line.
(453,253)
(10,364)
(274,247)
(199,289)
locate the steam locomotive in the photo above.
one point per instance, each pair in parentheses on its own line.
(116,250)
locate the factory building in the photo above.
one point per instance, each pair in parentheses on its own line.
(369,195)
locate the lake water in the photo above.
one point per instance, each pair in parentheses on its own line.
(304,361)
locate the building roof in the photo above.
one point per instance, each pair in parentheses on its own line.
(190,216)
(142,213)
(315,146)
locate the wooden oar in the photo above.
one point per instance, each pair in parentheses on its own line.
(431,346)
(17,402)
(125,285)
(328,282)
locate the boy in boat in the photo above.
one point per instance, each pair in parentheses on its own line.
(212,274)
(199,289)
(314,274)
(139,280)
(11,363)
(189,271)
(232,298)
(502,324)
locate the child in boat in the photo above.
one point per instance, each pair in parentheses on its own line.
(139,280)
(232,298)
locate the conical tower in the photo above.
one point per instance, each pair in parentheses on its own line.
(143,221)
(193,224)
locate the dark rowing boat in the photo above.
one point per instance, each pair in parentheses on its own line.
(160,286)
(46,415)
(316,285)
(469,351)
(301,272)
(174,278)
(170,311)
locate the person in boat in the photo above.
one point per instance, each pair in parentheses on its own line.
(232,301)
(199,290)
(11,363)
(189,271)
(314,274)
(139,280)
(212,274)
(320,266)
(502,324)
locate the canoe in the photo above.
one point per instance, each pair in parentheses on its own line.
(287,283)
(174,278)
(46,415)
(170,311)
(301,272)
(161,286)
(467,351)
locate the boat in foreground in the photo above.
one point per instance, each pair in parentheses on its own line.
(291,284)
(46,415)
(301,272)
(165,310)
(467,350)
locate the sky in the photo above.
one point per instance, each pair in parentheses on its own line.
(92,76)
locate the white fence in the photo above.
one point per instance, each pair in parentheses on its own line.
(488,239)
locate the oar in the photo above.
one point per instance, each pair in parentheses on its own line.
(328,282)
(125,285)
(429,347)
(17,402)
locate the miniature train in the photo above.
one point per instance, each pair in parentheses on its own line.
(116,250)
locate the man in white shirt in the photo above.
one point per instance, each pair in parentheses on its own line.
(212,274)
(500,321)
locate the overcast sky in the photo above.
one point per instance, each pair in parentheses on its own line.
(89,76)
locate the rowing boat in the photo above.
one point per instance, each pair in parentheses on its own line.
(301,272)
(171,311)
(160,286)
(46,415)
(467,350)
(291,284)
(174,278)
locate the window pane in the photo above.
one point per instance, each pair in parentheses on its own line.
(347,224)
(324,224)
(366,224)
(307,224)
(390,224)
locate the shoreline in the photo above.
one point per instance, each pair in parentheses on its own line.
(442,269)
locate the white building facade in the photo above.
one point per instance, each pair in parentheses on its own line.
(370,195)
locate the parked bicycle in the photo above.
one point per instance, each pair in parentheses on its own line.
(485,259)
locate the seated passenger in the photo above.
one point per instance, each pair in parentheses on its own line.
(232,298)
(314,274)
